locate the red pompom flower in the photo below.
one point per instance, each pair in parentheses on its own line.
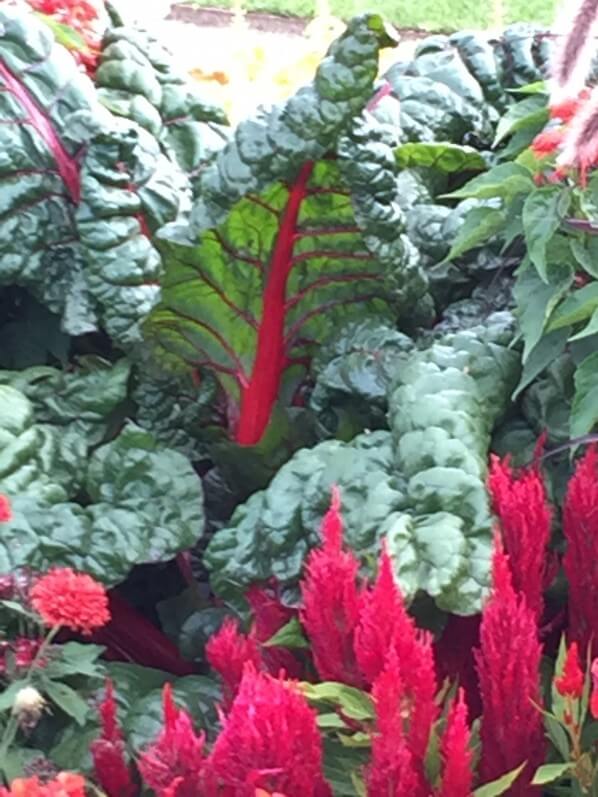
(75,600)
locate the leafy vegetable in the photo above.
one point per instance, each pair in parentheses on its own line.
(299,227)
(138,502)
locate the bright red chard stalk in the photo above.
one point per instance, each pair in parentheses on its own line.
(174,765)
(228,651)
(520,502)
(580,525)
(392,771)
(508,664)
(385,625)
(108,752)
(269,741)
(456,753)
(269,616)
(332,602)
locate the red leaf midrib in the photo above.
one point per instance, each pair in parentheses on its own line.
(260,394)
(66,164)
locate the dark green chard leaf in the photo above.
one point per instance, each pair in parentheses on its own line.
(445,157)
(442,412)
(299,229)
(352,374)
(139,502)
(68,168)
(137,80)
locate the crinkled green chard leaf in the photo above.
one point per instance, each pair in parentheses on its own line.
(298,229)
(421,487)
(352,375)
(83,191)
(99,509)
(442,412)
(136,79)
(272,532)
(456,87)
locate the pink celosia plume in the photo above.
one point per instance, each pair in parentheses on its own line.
(392,771)
(332,602)
(456,752)
(108,752)
(520,502)
(174,765)
(269,741)
(228,651)
(580,525)
(508,664)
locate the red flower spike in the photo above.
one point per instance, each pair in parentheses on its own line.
(508,664)
(269,740)
(75,600)
(332,602)
(227,652)
(525,518)
(5,509)
(456,753)
(547,142)
(383,618)
(269,616)
(580,525)
(108,752)
(174,765)
(392,771)
(572,680)
(594,696)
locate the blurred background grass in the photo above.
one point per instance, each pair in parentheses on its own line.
(433,15)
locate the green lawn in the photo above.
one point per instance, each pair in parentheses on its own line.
(427,14)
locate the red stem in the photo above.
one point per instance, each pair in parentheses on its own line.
(39,119)
(259,397)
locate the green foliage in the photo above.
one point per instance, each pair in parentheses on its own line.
(99,505)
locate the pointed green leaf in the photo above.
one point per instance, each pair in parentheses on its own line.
(443,156)
(543,212)
(499,786)
(584,412)
(529,112)
(353,702)
(505,181)
(578,306)
(548,773)
(479,226)
(289,636)
(68,700)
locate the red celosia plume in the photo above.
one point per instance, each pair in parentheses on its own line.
(508,663)
(571,681)
(384,625)
(108,752)
(332,602)
(270,741)
(392,771)
(269,616)
(580,525)
(521,504)
(456,753)
(174,765)
(228,651)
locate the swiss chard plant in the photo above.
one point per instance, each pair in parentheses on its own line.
(297,228)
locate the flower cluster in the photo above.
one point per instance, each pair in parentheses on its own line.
(66,784)
(83,17)
(62,597)
(108,752)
